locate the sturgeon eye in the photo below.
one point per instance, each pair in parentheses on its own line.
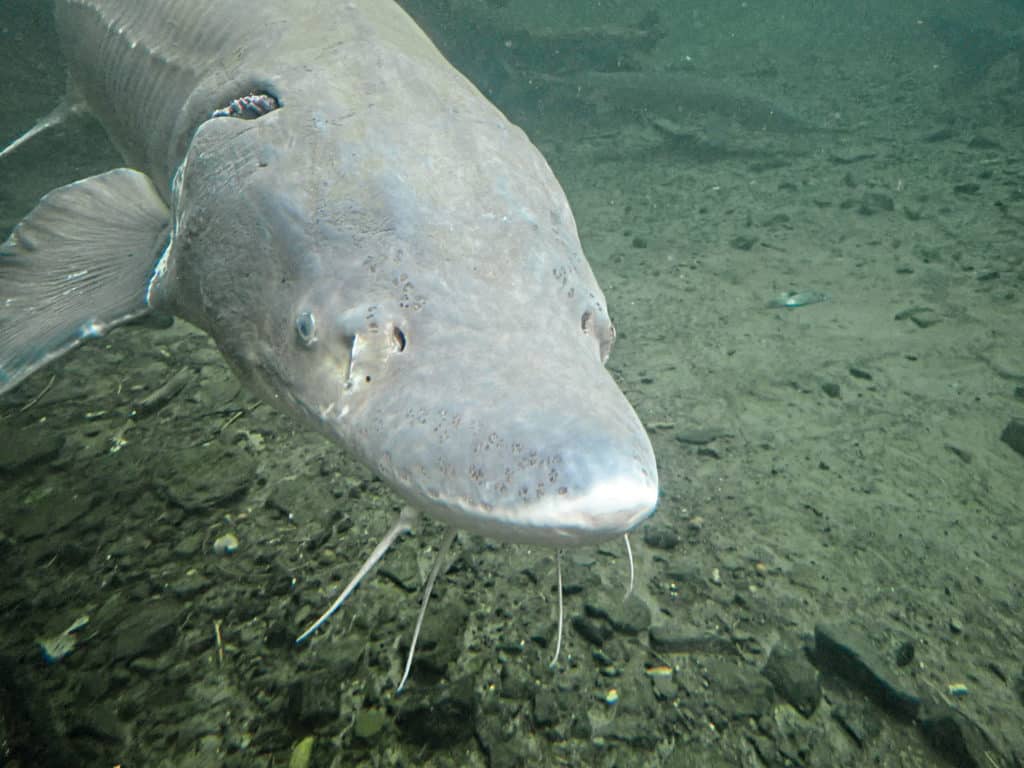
(305,328)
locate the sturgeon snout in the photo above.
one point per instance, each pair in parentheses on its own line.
(521,457)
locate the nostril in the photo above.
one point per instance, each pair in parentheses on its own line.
(305,328)
(587,322)
(601,328)
(399,337)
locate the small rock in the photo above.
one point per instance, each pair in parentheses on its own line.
(793,676)
(831,389)
(983,142)
(312,701)
(860,373)
(957,737)
(942,134)
(905,653)
(1013,435)
(148,631)
(49,513)
(737,690)
(875,202)
(439,716)
(861,720)
(226,545)
(687,639)
(967,188)
(189,585)
(302,753)
(631,615)
(846,652)
(99,722)
(701,436)
(516,682)
(593,632)
(207,476)
(187,547)
(660,537)
(368,723)
(545,708)
(441,638)
(31,446)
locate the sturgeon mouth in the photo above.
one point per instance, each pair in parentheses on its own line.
(607,509)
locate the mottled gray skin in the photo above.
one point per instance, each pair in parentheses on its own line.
(460,335)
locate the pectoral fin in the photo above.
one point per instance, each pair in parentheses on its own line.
(78,265)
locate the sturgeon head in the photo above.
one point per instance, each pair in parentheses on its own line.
(388,258)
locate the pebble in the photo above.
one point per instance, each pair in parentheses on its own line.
(226,545)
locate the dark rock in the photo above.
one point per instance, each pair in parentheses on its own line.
(50,513)
(148,631)
(189,585)
(631,615)
(300,500)
(1013,435)
(634,729)
(697,755)
(206,476)
(99,722)
(846,652)
(32,446)
(793,675)
(831,389)
(402,571)
(594,632)
(439,716)
(312,701)
(163,394)
(665,687)
(660,537)
(862,722)
(875,202)
(959,739)
(738,691)
(440,641)
(499,733)
(968,188)
(983,142)
(700,436)
(369,723)
(189,546)
(743,242)
(29,733)
(516,682)
(942,134)
(905,653)
(545,708)
(688,639)
(860,373)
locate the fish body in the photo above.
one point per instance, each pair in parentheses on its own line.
(373,246)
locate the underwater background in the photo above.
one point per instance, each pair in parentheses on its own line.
(808,220)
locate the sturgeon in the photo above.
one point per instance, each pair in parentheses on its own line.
(372,245)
